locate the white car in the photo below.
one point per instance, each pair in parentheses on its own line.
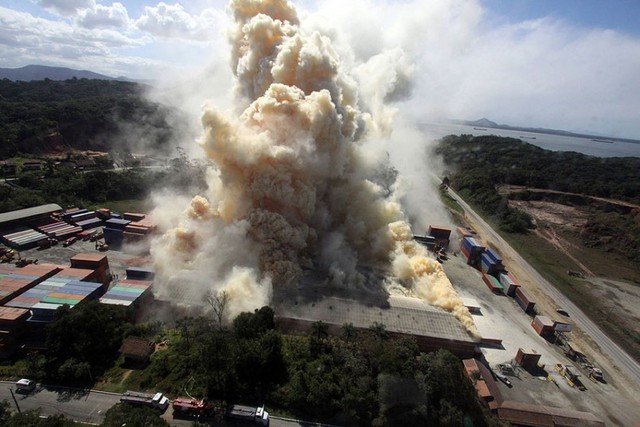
(25,385)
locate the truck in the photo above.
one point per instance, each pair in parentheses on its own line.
(250,414)
(187,407)
(152,400)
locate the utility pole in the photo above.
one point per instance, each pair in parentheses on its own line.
(15,400)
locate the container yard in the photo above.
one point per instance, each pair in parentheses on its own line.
(37,276)
(512,348)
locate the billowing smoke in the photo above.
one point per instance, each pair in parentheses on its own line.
(293,186)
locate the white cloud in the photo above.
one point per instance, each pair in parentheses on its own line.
(25,39)
(173,21)
(542,72)
(104,16)
(66,8)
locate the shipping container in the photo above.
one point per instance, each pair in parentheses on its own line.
(133,216)
(472,245)
(509,284)
(439,232)
(140,273)
(527,360)
(495,258)
(492,283)
(523,300)
(67,215)
(116,223)
(543,326)
(103,213)
(82,216)
(463,232)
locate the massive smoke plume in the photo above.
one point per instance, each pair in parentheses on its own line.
(293,186)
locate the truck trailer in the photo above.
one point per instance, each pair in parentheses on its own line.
(156,401)
(250,414)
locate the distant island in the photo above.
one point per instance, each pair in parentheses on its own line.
(485,124)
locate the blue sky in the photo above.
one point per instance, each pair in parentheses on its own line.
(567,64)
(619,15)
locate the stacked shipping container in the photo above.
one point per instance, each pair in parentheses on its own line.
(472,250)
(96,262)
(22,279)
(113,232)
(140,226)
(509,283)
(45,298)
(140,273)
(23,239)
(127,292)
(441,234)
(59,230)
(523,300)
(492,283)
(490,262)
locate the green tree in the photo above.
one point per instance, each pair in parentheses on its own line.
(83,341)
(132,416)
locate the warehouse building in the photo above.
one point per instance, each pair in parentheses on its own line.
(13,218)
(433,328)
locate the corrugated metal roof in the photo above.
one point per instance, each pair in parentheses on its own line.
(29,212)
(136,346)
(404,315)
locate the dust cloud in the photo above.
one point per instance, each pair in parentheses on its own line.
(295,185)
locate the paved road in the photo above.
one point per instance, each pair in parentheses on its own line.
(619,357)
(89,406)
(81,405)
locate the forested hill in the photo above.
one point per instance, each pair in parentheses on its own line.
(481,165)
(46,115)
(497,160)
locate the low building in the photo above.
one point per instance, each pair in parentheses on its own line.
(483,381)
(136,349)
(524,414)
(22,216)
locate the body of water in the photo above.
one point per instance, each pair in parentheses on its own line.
(542,140)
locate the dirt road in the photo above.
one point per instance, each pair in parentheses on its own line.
(627,366)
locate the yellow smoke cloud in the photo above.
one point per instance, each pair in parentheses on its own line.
(293,173)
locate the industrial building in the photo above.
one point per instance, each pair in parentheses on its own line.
(433,328)
(22,216)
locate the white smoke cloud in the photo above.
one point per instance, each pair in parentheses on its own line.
(296,182)
(173,21)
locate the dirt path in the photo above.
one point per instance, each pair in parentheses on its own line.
(551,236)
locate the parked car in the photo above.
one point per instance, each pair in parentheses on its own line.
(25,385)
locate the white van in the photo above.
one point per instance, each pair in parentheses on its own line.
(25,385)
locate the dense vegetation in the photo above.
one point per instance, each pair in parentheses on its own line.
(45,115)
(68,188)
(360,378)
(481,164)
